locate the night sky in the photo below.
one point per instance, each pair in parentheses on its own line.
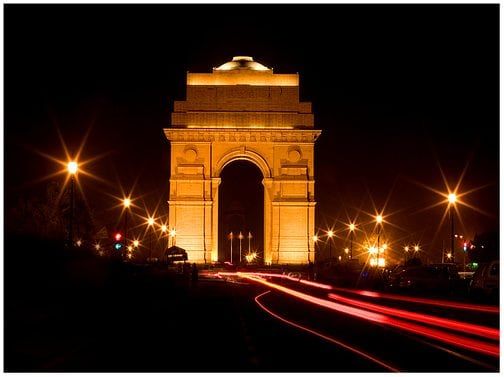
(396,90)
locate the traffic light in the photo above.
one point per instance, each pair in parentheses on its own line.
(118,245)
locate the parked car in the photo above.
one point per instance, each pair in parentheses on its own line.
(485,281)
(435,277)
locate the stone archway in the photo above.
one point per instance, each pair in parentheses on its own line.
(243,111)
(241,209)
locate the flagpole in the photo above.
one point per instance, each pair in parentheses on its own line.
(240,236)
(231,235)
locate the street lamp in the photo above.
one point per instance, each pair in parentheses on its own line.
(150,224)
(379,220)
(136,243)
(173,234)
(72,168)
(164,230)
(416,248)
(330,235)
(347,250)
(351,228)
(452,199)
(372,250)
(126,205)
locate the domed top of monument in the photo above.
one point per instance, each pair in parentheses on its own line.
(242,63)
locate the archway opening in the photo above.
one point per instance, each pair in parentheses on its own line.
(241,209)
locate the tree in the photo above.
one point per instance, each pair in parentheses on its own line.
(484,247)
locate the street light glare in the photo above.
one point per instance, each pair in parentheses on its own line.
(315,238)
(173,233)
(379,219)
(164,228)
(127,202)
(150,221)
(72,167)
(406,248)
(330,234)
(351,227)
(416,248)
(136,243)
(452,198)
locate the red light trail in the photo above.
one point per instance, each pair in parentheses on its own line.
(325,337)
(456,340)
(483,331)
(425,301)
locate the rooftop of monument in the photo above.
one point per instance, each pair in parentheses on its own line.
(242,62)
(242,70)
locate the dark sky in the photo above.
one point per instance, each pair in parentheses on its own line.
(396,90)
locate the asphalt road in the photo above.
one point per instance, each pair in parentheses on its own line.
(138,320)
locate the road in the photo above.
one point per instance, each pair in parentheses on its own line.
(395,332)
(139,320)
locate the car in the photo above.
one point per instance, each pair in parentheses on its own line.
(435,277)
(485,281)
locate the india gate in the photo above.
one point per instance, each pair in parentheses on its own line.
(243,111)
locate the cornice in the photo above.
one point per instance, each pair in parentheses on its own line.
(241,135)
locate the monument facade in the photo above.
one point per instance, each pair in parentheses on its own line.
(243,111)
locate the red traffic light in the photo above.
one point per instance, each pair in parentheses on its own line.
(118,236)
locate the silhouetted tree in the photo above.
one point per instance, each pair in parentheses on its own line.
(486,247)
(47,217)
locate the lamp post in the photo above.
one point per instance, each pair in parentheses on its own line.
(150,223)
(173,235)
(330,235)
(379,220)
(240,237)
(164,230)
(72,168)
(452,199)
(126,204)
(351,227)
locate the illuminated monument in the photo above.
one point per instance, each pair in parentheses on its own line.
(243,111)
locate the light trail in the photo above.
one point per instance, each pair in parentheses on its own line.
(372,294)
(457,340)
(465,327)
(325,337)
(424,301)
(388,296)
